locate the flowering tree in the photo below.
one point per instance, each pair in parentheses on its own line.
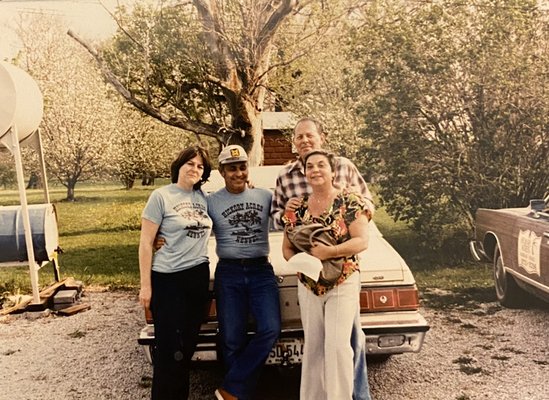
(87,130)
(79,118)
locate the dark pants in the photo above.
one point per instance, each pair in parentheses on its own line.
(178,307)
(245,288)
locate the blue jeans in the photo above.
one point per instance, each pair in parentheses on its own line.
(245,288)
(361,388)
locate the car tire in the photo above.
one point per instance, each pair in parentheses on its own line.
(508,293)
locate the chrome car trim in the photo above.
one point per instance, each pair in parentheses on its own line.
(526,279)
(497,245)
(474,251)
(538,214)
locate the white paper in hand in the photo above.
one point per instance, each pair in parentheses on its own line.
(306,264)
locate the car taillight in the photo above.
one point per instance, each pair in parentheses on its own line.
(389,299)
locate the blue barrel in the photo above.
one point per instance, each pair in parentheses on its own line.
(45,237)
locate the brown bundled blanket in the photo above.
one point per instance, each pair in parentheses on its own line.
(303,237)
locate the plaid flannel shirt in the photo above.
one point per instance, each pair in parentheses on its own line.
(291,182)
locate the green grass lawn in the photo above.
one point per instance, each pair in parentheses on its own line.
(99,234)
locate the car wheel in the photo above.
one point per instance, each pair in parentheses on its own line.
(507,291)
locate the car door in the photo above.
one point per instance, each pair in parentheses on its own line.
(532,257)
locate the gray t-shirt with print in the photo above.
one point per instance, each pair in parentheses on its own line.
(241,222)
(184,223)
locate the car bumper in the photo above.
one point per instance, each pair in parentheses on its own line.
(394,332)
(386,333)
(477,251)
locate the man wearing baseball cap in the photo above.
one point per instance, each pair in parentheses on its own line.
(245,283)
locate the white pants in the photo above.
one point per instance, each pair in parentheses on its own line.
(327,368)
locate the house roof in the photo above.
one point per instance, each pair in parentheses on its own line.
(278,120)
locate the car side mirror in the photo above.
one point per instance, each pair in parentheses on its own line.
(537,204)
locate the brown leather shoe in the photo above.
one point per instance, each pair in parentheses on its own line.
(222,394)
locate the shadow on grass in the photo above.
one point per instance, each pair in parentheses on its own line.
(470,299)
(113,229)
(82,199)
(464,298)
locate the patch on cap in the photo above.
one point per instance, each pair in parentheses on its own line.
(231,154)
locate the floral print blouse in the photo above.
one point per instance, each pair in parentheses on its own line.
(345,208)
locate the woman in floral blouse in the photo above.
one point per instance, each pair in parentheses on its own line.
(328,309)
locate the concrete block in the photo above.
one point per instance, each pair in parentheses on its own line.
(65,297)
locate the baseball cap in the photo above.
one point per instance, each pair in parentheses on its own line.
(231,154)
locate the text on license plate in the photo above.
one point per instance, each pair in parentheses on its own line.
(286,351)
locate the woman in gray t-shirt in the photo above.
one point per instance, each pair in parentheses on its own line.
(175,279)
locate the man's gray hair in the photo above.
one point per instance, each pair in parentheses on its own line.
(317,124)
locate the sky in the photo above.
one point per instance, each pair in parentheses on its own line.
(86,17)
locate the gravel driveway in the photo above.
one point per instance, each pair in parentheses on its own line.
(483,352)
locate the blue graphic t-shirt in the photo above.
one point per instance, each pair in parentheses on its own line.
(184,224)
(241,222)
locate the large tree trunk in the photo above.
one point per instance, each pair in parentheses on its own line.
(255,151)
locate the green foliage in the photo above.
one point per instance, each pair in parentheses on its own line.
(88,132)
(159,57)
(144,146)
(7,172)
(99,236)
(320,83)
(459,114)
(206,67)
(79,117)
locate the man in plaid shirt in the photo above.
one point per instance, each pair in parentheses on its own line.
(291,185)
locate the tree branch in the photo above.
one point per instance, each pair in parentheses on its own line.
(121,27)
(268,31)
(192,126)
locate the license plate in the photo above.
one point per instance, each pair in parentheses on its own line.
(286,351)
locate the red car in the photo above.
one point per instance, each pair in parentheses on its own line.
(516,241)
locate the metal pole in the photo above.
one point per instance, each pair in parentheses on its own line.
(35,140)
(13,146)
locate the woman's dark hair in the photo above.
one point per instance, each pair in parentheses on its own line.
(188,154)
(327,154)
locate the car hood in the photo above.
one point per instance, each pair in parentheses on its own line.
(512,211)
(379,263)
